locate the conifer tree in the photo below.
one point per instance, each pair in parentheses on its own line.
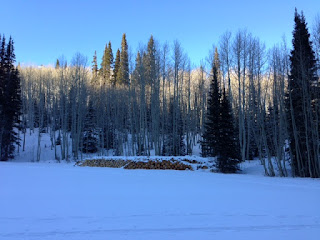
(150,62)
(217,64)
(123,73)
(116,68)
(109,63)
(303,103)
(57,64)
(211,130)
(228,149)
(10,101)
(94,80)
(103,68)
(90,136)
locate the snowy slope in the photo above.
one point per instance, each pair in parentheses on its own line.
(59,201)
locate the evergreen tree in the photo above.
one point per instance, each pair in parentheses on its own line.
(303,103)
(10,101)
(116,68)
(103,68)
(110,64)
(103,62)
(90,136)
(150,62)
(2,77)
(217,64)
(57,64)
(123,73)
(138,73)
(94,80)
(106,64)
(211,129)
(228,149)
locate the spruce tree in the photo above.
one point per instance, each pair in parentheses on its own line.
(103,68)
(10,101)
(107,64)
(57,64)
(150,62)
(2,96)
(123,73)
(2,78)
(210,136)
(94,80)
(90,136)
(303,104)
(228,149)
(116,68)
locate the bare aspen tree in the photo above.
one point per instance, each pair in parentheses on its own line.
(239,56)
(225,56)
(164,78)
(78,100)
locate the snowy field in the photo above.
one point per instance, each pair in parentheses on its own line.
(59,201)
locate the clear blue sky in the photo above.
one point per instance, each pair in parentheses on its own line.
(43,30)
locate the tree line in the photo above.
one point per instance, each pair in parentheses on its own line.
(10,100)
(244,102)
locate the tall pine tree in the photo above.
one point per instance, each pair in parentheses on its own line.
(106,64)
(57,64)
(303,103)
(10,101)
(110,63)
(94,80)
(228,152)
(116,68)
(123,73)
(210,136)
(90,135)
(150,62)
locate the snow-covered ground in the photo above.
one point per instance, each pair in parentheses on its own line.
(62,201)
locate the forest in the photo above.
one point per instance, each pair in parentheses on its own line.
(244,102)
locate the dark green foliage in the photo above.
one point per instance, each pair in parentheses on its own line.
(219,137)
(302,101)
(116,67)
(228,148)
(94,79)
(10,100)
(110,63)
(149,62)
(90,135)
(106,65)
(211,133)
(123,72)
(57,64)
(138,73)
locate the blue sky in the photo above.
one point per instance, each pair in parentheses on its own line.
(44,30)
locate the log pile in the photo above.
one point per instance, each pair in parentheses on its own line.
(127,164)
(111,163)
(164,164)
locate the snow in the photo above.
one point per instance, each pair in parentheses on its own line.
(61,201)
(48,200)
